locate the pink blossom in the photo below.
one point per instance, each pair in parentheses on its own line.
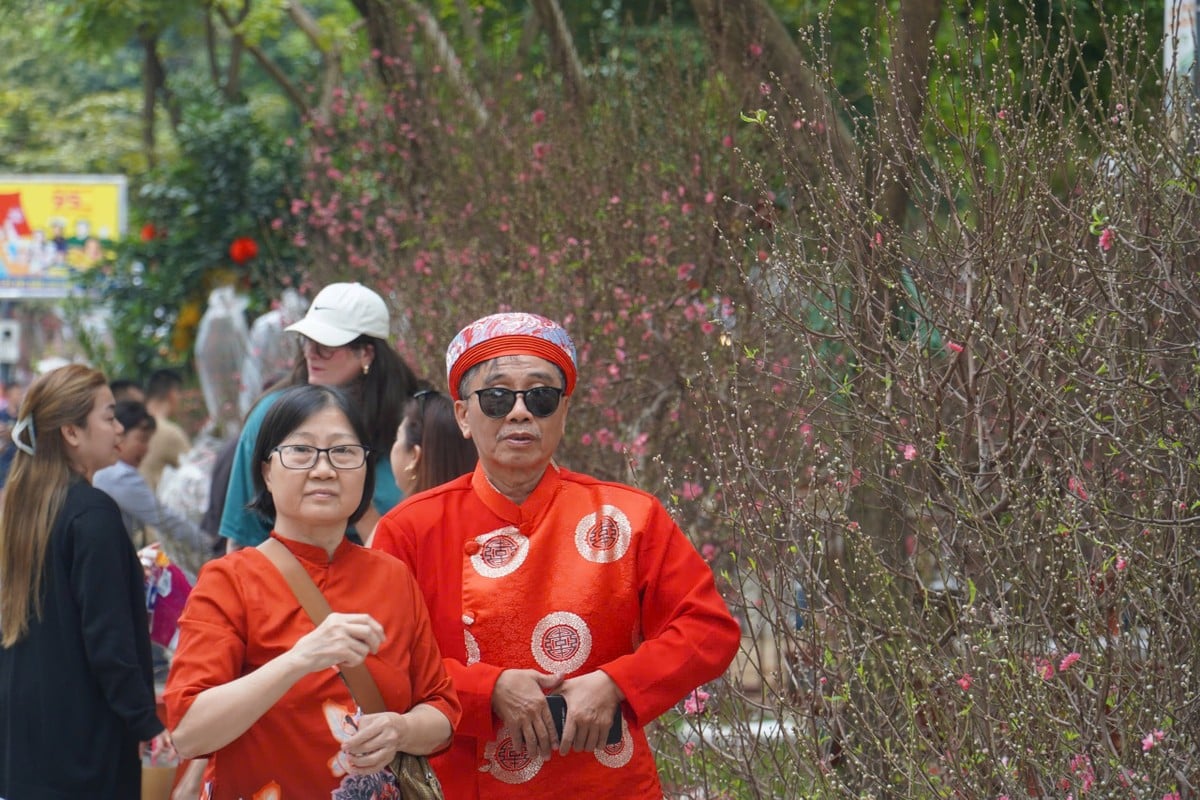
(1151,740)
(691,490)
(710,198)
(540,149)
(965,681)
(727,141)
(954,347)
(696,702)
(1002,114)
(755,49)
(909,451)
(1045,668)
(1121,563)
(1067,661)
(685,271)
(1106,239)
(537,117)
(689,748)
(614,200)
(1075,487)
(1171,796)
(708,551)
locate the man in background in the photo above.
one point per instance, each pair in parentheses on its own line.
(169,443)
(126,389)
(146,519)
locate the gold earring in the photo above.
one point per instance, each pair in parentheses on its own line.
(366,367)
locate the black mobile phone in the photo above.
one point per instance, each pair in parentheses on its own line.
(558,710)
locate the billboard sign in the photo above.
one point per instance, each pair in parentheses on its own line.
(52,226)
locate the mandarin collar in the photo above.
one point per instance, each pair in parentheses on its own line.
(534,505)
(311,552)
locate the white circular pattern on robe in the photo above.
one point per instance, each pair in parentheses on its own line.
(561,642)
(603,537)
(501,552)
(505,764)
(472,649)
(617,755)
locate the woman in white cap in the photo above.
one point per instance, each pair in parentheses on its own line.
(344,344)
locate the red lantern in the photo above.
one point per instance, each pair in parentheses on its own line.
(243,249)
(149,232)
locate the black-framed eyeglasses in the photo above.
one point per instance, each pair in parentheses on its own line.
(305,456)
(541,401)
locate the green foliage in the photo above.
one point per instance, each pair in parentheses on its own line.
(233,179)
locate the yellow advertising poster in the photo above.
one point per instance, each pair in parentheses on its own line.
(51,226)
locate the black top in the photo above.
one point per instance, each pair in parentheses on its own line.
(77,692)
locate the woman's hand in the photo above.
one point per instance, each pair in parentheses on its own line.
(343,640)
(161,749)
(373,747)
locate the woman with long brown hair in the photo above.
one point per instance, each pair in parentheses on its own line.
(76,684)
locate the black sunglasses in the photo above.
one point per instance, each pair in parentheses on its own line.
(541,401)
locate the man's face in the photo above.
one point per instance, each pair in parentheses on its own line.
(133,445)
(519,446)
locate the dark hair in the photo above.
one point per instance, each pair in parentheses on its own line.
(294,406)
(445,452)
(133,414)
(121,387)
(380,392)
(162,382)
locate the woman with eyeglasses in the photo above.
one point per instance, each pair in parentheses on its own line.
(76,680)
(254,683)
(430,449)
(343,343)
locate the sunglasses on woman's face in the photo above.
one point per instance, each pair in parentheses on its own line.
(541,401)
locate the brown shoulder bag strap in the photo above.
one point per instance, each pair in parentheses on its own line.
(358,679)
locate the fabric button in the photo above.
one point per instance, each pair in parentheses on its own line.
(471,548)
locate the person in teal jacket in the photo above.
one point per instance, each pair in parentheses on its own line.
(344,343)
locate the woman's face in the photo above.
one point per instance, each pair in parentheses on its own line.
(93,446)
(336,366)
(404,460)
(320,495)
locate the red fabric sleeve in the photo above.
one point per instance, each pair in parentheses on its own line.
(690,636)
(473,684)
(212,640)
(431,683)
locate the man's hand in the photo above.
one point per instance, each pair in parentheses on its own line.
(592,700)
(519,700)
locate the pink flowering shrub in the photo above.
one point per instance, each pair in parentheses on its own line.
(921,453)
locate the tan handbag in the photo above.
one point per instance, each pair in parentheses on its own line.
(415,777)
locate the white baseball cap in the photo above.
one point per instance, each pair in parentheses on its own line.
(342,312)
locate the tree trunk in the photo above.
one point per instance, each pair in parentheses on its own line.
(562,48)
(152,82)
(751,45)
(385,33)
(912,50)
